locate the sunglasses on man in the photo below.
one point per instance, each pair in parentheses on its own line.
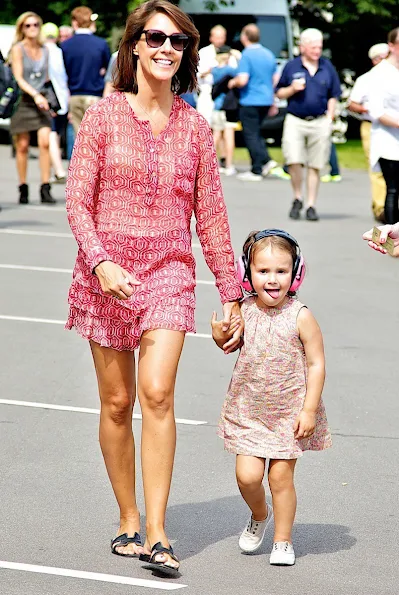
(156,39)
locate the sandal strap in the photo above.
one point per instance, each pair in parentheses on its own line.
(122,540)
(158,548)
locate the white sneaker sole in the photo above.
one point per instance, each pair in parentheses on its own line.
(282,559)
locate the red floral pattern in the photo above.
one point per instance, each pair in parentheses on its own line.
(130,198)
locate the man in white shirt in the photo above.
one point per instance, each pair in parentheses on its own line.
(384,112)
(359,104)
(207,61)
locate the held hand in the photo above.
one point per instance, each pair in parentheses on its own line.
(298,85)
(231,84)
(273,111)
(41,102)
(231,309)
(304,425)
(221,336)
(115,280)
(391,231)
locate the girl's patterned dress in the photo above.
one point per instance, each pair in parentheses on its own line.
(268,387)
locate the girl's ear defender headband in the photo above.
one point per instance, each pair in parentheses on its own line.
(243,263)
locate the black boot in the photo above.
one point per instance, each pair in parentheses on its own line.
(45,195)
(23,194)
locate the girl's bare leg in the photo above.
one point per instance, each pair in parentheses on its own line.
(281,482)
(249,473)
(55,154)
(160,352)
(116,383)
(229,143)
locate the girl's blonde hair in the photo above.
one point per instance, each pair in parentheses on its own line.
(19,26)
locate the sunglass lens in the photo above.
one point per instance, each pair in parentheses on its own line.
(179,42)
(155,39)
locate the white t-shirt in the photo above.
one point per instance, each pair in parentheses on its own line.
(384,99)
(360,94)
(58,76)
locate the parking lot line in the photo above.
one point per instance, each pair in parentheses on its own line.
(51,234)
(23,267)
(185,422)
(53,321)
(92,576)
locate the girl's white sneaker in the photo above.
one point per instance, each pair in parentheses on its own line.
(252,536)
(282,554)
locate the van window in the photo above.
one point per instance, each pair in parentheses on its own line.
(273,30)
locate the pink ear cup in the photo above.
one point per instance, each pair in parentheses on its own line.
(300,275)
(240,268)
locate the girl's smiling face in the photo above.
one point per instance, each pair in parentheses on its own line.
(158,63)
(271,272)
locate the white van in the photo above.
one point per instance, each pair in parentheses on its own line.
(271,16)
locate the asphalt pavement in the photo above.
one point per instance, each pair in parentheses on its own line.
(57,510)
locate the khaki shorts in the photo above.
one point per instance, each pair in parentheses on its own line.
(307,142)
(219,122)
(78,104)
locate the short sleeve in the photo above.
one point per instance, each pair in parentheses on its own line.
(244,66)
(285,79)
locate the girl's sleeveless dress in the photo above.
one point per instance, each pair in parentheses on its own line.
(268,388)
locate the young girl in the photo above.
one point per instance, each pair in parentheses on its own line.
(273,409)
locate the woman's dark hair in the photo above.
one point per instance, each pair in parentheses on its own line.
(185,79)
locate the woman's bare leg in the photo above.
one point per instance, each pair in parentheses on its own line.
(160,352)
(55,154)
(43,140)
(116,383)
(281,482)
(21,155)
(229,141)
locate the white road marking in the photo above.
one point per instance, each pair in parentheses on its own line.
(50,234)
(92,576)
(185,422)
(53,321)
(23,267)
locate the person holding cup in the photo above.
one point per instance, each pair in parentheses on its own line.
(311,86)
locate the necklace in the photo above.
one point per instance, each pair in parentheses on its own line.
(145,111)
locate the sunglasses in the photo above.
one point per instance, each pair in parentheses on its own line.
(28,25)
(156,39)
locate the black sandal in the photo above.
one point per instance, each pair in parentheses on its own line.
(152,563)
(123,540)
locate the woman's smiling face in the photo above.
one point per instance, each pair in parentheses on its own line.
(161,63)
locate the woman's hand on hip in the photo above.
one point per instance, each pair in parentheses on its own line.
(232,310)
(115,280)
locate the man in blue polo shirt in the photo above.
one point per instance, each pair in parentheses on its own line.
(86,58)
(255,81)
(311,85)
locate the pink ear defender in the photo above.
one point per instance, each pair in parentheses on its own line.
(243,267)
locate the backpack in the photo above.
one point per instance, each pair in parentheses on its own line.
(9,90)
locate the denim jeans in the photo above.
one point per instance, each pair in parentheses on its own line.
(251,119)
(334,161)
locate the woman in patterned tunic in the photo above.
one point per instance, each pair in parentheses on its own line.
(143,162)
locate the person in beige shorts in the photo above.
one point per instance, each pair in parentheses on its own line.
(311,86)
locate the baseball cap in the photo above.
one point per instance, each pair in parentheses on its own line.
(377,50)
(50,30)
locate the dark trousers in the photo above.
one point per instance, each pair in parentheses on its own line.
(334,161)
(390,171)
(251,119)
